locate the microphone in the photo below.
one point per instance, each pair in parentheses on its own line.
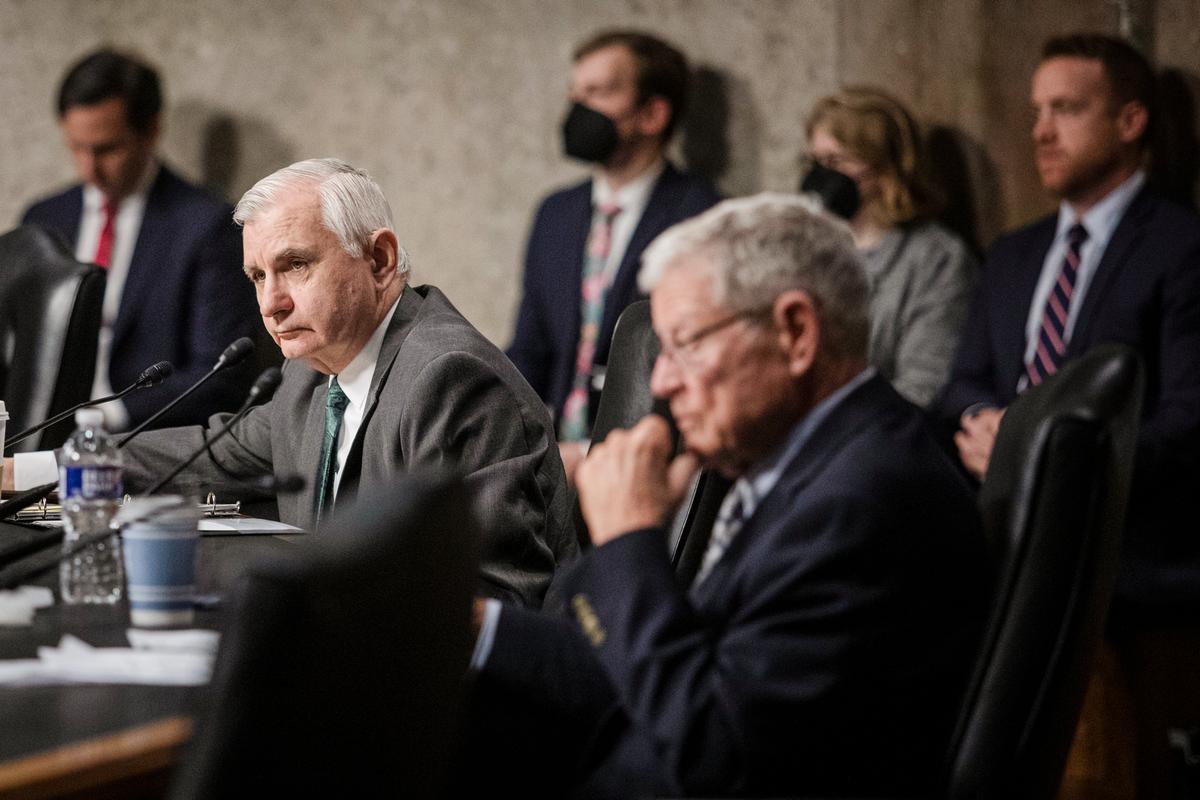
(232,355)
(264,386)
(152,375)
(268,484)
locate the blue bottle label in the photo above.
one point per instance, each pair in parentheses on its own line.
(90,483)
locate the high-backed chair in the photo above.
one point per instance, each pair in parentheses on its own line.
(50,307)
(625,399)
(1053,504)
(341,672)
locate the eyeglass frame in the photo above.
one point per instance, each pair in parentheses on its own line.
(675,352)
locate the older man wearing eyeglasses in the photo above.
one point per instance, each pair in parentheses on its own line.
(823,646)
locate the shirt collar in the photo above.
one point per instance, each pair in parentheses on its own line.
(1102,219)
(632,195)
(93,198)
(355,379)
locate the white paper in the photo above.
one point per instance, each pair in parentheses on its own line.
(245,525)
(76,661)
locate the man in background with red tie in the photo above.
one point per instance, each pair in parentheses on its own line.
(172,252)
(1117,263)
(627,93)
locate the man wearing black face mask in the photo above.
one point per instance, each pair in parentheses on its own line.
(627,94)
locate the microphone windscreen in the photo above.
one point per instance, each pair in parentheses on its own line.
(235,353)
(265,384)
(155,374)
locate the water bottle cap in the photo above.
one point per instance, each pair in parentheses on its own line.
(89,418)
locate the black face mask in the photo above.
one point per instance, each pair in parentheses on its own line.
(588,134)
(837,191)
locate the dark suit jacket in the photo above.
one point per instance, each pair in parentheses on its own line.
(547,331)
(442,397)
(184,298)
(1146,293)
(825,654)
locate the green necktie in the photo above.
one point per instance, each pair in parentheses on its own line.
(335,408)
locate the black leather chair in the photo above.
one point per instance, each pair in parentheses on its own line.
(625,399)
(341,672)
(1053,505)
(50,306)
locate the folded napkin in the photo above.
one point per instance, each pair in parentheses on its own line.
(160,658)
(17,605)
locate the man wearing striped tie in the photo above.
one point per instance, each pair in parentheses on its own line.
(837,606)
(1117,263)
(627,94)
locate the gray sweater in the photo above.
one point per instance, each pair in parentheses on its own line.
(921,280)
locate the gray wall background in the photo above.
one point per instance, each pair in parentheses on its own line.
(454,106)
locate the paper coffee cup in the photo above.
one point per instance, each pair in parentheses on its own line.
(159,541)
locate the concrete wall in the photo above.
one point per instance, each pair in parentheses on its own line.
(454,105)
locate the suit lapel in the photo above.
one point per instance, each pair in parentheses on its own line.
(311,437)
(577,224)
(72,216)
(1126,236)
(857,411)
(1012,304)
(152,250)
(655,219)
(402,322)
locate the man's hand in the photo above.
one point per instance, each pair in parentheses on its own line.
(976,439)
(629,482)
(6,482)
(572,454)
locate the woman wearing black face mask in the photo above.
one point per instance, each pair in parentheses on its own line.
(864,154)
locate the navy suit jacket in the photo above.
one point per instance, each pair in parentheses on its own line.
(825,653)
(547,330)
(184,299)
(1145,293)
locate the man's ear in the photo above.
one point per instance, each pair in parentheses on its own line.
(385,255)
(799,329)
(1132,120)
(654,115)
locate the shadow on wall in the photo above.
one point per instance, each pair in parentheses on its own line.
(1176,163)
(721,136)
(231,153)
(966,177)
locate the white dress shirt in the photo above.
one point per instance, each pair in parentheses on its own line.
(355,381)
(126,227)
(1100,221)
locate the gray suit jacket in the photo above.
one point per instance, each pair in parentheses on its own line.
(442,397)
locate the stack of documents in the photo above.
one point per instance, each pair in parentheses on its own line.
(160,658)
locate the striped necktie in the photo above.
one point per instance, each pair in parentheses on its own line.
(1052,334)
(335,409)
(737,506)
(596,278)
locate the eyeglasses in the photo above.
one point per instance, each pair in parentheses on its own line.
(682,352)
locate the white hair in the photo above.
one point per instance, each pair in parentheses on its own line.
(761,246)
(352,204)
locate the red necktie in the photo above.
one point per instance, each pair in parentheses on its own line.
(104,246)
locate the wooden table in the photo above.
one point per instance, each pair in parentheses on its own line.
(106,741)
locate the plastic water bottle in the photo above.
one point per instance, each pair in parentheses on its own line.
(90,491)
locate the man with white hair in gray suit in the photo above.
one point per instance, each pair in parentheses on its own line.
(381,377)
